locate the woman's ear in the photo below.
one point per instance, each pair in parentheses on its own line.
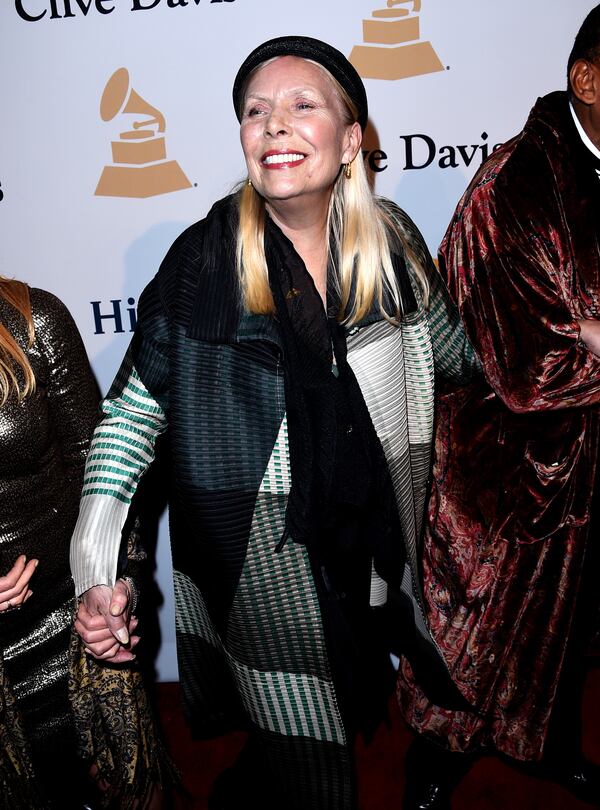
(352,143)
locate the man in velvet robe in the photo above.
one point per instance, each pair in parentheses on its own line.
(512,539)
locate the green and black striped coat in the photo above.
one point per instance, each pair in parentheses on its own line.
(250,635)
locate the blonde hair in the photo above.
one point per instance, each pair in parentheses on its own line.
(13,360)
(361,229)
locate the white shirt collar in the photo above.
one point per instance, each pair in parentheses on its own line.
(584,136)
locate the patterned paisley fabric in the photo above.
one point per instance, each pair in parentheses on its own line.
(116,730)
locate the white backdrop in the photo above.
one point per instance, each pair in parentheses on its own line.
(56,57)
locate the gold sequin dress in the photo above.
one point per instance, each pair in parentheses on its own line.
(43,444)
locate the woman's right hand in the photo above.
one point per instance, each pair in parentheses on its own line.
(14,586)
(104,623)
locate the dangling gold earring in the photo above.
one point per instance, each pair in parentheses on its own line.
(249,183)
(348,171)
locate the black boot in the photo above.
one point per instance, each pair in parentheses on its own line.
(573,773)
(432,773)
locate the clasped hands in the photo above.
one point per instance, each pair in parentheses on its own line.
(104,623)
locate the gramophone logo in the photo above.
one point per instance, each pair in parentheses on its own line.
(392,48)
(140,166)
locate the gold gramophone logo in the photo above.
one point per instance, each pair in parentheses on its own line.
(392,48)
(140,166)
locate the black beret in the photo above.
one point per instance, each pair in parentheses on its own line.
(306,48)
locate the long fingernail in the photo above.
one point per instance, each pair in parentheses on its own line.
(115,610)
(122,635)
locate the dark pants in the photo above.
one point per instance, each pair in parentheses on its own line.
(565,730)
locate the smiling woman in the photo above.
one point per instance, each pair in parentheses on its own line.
(295,136)
(289,343)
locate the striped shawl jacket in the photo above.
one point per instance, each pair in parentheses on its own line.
(249,635)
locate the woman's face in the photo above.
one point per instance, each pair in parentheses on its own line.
(293,132)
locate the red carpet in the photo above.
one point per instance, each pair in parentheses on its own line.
(491,785)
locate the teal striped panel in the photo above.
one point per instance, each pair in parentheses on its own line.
(191,615)
(123,444)
(290,704)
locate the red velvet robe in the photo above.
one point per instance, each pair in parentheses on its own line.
(516,452)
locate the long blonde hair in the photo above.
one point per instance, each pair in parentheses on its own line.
(13,360)
(361,232)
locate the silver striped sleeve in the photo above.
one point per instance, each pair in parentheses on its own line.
(121,451)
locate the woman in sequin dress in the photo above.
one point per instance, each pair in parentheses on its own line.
(48,747)
(48,407)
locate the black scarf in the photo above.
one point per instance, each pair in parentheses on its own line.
(342,497)
(341,503)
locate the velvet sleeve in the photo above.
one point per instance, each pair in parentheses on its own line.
(506,257)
